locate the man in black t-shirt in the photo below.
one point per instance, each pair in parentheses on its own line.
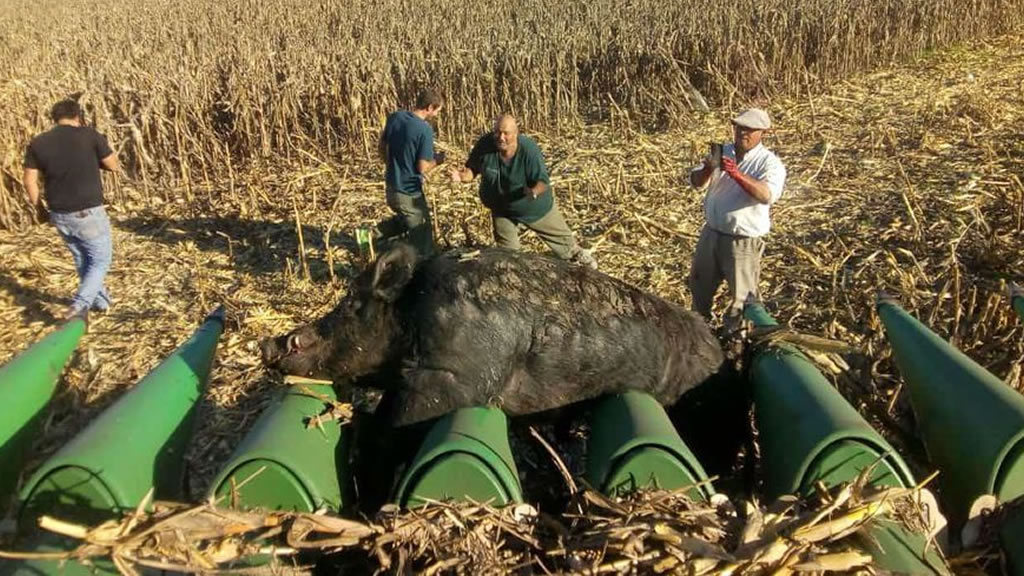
(69,156)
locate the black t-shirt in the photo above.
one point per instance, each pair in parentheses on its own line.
(69,158)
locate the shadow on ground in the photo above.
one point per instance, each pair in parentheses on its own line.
(32,301)
(253,246)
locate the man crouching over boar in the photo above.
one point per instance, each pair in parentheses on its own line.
(524,332)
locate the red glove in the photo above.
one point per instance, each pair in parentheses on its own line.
(730,168)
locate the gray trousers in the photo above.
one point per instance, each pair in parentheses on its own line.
(412,216)
(552,229)
(735,259)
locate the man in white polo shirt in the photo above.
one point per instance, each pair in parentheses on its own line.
(744,184)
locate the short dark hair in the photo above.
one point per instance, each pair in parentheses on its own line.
(429,97)
(66,110)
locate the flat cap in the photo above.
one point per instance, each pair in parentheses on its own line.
(753,118)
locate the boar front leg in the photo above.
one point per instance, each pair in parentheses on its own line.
(430,393)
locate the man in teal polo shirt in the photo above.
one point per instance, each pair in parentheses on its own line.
(407,148)
(514,185)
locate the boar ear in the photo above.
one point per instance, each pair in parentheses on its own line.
(393,271)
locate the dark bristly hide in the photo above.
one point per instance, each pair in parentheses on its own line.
(525,332)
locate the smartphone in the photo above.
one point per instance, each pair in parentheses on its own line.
(716,154)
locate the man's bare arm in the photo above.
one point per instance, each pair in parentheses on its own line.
(31,180)
(111,163)
(756,189)
(424,166)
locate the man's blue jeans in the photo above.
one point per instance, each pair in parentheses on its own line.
(87,234)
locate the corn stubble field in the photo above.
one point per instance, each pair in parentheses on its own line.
(191,92)
(247,132)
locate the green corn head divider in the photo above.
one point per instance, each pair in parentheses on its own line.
(283,465)
(634,445)
(972,423)
(27,383)
(465,455)
(1012,536)
(136,444)
(809,433)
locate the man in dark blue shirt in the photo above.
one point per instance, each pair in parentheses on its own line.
(407,148)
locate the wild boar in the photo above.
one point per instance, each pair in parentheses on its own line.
(526,332)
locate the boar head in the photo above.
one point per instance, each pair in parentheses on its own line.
(356,338)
